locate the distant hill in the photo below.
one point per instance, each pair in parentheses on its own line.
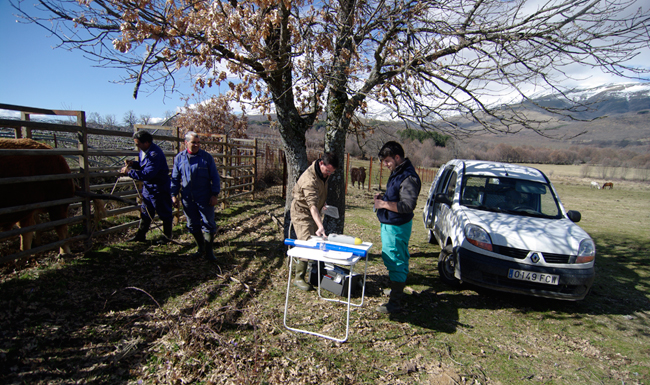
(621,113)
(605,100)
(621,116)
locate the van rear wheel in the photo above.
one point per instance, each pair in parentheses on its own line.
(447,261)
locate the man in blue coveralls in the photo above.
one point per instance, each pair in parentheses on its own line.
(195,176)
(395,212)
(151,168)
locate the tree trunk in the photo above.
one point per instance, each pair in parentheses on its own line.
(335,143)
(293,141)
(337,126)
(292,131)
(340,110)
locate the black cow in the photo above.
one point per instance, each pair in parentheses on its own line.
(359,176)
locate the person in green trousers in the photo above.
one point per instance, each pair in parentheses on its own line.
(395,213)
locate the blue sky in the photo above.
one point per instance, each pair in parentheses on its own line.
(34,74)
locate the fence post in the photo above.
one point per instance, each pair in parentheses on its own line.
(267,157)
(285,176)
(227,163)
(254,166)
(82,144)
(177,142)
(347,171)
(237,161)
(370,174)
(24,131)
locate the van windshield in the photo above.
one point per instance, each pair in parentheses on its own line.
(509,195)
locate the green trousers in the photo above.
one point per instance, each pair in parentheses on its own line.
(395,250)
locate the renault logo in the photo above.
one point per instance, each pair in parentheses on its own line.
(534,257)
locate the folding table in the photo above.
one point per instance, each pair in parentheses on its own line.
(342,258)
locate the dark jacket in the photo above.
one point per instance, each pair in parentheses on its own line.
(403,187)
(196,177)
(152,169)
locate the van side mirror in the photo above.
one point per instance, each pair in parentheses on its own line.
(443,198)
(574,216)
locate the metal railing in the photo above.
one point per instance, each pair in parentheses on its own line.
(95,157)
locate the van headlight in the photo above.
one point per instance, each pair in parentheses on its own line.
(478,237)
(586,252)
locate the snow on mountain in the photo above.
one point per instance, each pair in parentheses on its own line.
(602,100)
(622,90)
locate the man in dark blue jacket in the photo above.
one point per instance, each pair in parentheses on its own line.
(195,176)
(395,212)
(151,168)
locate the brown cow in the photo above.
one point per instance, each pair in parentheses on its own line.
(35,192)
(359,176)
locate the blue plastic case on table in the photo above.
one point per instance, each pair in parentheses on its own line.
(325,245)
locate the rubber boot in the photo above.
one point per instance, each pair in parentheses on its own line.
(167,233)
(299,279)
(141,234)
(209,246)
(394,301)
(200,245)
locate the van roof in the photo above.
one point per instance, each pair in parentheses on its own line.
(498,169)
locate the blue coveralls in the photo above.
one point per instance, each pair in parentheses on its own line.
(153,171)
(197,178)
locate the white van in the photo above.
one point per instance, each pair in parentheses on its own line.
(502,226)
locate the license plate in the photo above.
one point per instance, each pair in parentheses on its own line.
(523,275)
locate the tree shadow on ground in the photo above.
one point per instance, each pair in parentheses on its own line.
(96,318)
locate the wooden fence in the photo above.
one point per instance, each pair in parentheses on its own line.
(377,175)
(95,157)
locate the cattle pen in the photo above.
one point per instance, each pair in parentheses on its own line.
(95,157)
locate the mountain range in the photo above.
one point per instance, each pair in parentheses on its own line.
(615,115)
(605,100)
(618,115)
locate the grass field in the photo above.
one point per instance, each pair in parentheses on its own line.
(141,314)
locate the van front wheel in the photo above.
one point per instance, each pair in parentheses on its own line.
(447,261)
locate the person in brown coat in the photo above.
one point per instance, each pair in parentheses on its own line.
(309,196)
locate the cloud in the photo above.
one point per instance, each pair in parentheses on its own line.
(157,120)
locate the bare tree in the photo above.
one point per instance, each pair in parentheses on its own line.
(130,119)
(145,118)
(110,122)
(433,63)
(94,120)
